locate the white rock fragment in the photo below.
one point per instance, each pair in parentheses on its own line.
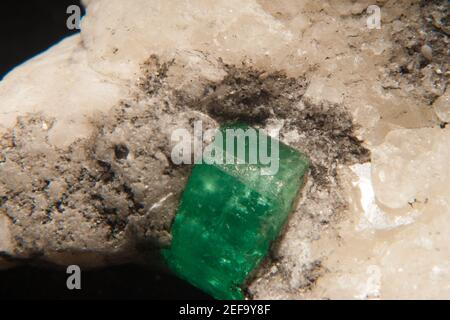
(322,89)
(119,36)
(60,84)
(442,106)
(412,166)
(372,216)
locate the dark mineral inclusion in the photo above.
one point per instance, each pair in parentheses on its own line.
(231,213)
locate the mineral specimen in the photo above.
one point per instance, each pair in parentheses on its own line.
(85,170)
(230,212)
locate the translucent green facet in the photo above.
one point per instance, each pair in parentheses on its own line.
(229,216)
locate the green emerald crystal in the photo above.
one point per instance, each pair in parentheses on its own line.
(231,213)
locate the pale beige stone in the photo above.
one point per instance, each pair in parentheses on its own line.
(60,84)
(412,166)
(442,106)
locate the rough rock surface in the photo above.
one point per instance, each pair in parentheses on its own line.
(85,170)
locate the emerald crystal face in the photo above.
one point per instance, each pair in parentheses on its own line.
(231,213)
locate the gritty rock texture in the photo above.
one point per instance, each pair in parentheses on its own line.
(85,169)
(442,108)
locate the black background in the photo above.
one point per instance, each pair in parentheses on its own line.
(28,28)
